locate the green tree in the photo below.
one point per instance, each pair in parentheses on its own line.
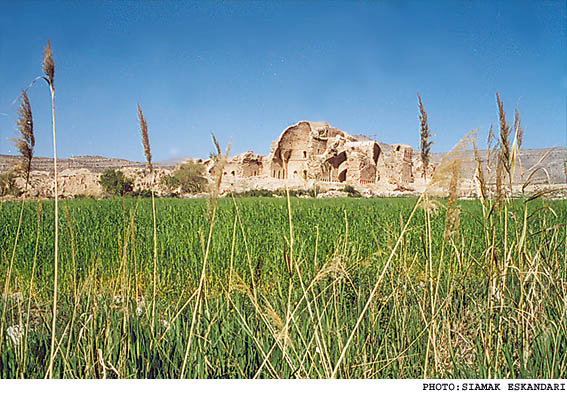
(190,175)
(115,183)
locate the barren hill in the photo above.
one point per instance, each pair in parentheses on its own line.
(552,165)
(95,164)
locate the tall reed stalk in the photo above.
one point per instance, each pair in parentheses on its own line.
(148,154)
(48,67)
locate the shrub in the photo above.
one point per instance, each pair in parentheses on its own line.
(115,183)
(352,192)
(189,175)
(169,182)
(8,184)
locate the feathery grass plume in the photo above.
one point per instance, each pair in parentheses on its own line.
(217,145)
(481,180)
(504,141)
(145,138)
(490,143)
(425,132)
(48,66)
(26,142)
(518,130)
(273,315)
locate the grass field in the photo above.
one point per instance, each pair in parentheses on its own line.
(271,288)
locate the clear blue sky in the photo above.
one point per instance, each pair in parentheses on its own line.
(246,70)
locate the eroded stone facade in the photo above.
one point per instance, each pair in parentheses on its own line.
(316,151)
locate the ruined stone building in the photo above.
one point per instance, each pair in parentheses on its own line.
(316,151)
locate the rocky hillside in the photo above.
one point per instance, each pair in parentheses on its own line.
(95,164)
(552,166)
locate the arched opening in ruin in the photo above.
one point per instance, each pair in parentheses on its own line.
(331,167)
(375,153)
(336,160)
(342,175)
(398,148)
(232,173)
(304,154)
(295,174)
(305,174)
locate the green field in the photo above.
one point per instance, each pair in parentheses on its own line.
(348,288)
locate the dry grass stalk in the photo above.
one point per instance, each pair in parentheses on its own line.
(148,154)
(145,138)
(425,132)
(26,142)
(48,67)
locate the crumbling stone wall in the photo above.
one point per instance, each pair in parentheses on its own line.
(248,164)
(315,151)
(401,164)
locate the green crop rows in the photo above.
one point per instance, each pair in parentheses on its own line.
(355,289)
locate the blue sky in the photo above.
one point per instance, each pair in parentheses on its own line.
(246,70)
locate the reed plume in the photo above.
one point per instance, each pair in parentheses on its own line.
(48,66)
(504,141)
(145,138)
(425,143)
(26,142)
(480,173)
(518,130)
(220,162)
(490,149)
(217,145)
